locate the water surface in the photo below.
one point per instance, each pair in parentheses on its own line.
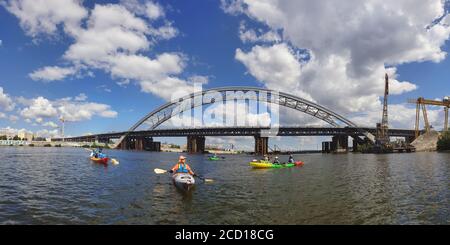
(62,186)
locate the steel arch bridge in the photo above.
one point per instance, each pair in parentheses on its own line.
(209,96)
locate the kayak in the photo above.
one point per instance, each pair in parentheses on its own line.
(299,163)
(215,158)
(100,160)
(183,181)
(264,164)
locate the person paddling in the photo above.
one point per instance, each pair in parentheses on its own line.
(182,167)
(276,161)
(291,159)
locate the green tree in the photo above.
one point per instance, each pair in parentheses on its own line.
(443,143)
(16,137)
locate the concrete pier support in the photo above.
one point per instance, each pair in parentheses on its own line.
(326,147)
(339,144)
(124,145)
(355,145)
(195,144)
(261,145)
(150,145)
(140,144)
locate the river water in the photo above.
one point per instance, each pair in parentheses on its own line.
(62,186)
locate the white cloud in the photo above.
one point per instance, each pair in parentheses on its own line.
(401,116)
(112,38)
(52,73)
(85,111)
(153,10)
(50,124)
(250,35)
(3,115)
(44,16)
(81,97)
(345,47)
(150,9)
(1,42)
(40,107)
(70,110)
(6,103)
(109,37)
(45,133)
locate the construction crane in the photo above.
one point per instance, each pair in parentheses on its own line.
(62,126)
(382,137)
(421,103)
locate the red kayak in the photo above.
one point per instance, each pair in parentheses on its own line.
(299,163)
(100,160)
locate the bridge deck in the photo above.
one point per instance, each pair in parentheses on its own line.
(244,131)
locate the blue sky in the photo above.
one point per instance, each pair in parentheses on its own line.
(208,36)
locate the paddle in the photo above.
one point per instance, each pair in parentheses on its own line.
(113,160)
(162,171)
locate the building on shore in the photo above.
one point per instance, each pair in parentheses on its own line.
(25,135)
(8,132)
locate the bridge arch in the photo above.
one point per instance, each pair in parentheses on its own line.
(173,108)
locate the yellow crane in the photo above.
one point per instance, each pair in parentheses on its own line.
(421,103)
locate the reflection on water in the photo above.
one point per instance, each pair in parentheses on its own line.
(62,186)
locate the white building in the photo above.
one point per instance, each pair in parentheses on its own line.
(23,134)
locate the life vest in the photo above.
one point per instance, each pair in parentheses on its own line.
(182,169)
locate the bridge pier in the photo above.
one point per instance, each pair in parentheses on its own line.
(339,144)
(261,145)
(141,143)
(326,147)
(150,145)
(195,144)
(355,145)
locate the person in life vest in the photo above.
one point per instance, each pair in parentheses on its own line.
(276,161)
(291,159)
(182,167)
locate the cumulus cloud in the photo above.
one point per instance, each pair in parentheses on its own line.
(150,9)
(251,36)
(401,116)
(41,108)
(44,16)
(81,97)
(45,133)
(112,38)
(52,73)
(50,124)
(6,103)
(336,53)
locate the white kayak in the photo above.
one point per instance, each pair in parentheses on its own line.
(183,181)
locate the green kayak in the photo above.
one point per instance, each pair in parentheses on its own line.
(215,158)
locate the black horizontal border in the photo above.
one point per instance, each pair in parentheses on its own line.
(135,234)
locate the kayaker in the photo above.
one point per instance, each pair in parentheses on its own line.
(291,159)
(276,161)
(182,167)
